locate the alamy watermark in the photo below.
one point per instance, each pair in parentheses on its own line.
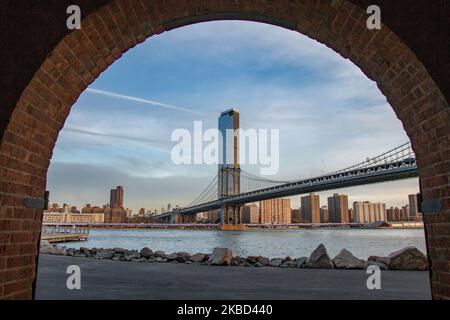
(374,20)
(255,147)
(74,280)
(374,280)
(74,20)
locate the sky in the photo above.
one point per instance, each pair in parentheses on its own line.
(329,115)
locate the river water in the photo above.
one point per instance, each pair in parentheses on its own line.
(270,243)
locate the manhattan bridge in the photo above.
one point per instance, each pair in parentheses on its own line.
(233,187)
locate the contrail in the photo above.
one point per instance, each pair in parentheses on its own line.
(136,99)
(99,134)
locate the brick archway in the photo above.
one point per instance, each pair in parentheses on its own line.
(28,141)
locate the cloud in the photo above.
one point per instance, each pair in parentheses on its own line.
(140,100)
(109,135)
(78,184)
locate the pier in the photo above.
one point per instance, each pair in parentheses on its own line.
(57,234)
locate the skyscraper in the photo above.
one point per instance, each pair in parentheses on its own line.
(338,208)
(310,208)
(229,168)
(116,197)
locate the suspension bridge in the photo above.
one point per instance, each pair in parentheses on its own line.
(396,164)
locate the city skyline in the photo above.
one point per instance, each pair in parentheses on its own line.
(297,83)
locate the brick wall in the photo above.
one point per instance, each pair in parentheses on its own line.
(34,121)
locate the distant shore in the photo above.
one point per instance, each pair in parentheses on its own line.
(394,225)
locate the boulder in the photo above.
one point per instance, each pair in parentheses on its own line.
(139,260)
(198,257)
(346,260)
(84,250)
(107,254)
(383,260)
(319,259)
(146,252)
(220,256)
(120,250)
(59,251)
(258,264)
(275,262)
(300,262)
(288,264)
(159,253)
(182,257)
(45,243)
(288,258)
(252,259)
(131,255)
(380,265)
(235,261)
(46,248)
(79,254)
(172,256)
(263,260)
(409,258)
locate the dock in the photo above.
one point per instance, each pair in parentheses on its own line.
(64,234)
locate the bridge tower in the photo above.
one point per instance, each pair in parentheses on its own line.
(229,170)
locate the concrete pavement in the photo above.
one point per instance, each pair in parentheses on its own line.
(107,279)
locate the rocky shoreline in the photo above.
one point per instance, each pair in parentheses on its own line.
(409,258)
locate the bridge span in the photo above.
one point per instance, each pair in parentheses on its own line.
(396,164)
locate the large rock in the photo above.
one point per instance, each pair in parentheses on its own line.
(220,256)
(263,260)
(380,265)
(104,254)
(300,262)
(159,254)
(275,262)
(409,258)
(146,252)
(252,259)
(46,247)
(288,264)
(84,250)
(383,260)
(198,257)
(182,257)
(131,255)
(319,259)
(172,256)
(120,250)
(346,260)
(45,243)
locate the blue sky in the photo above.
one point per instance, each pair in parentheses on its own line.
(330,115)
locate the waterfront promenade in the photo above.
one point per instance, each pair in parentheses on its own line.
(106,279)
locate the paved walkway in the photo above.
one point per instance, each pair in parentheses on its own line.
(107,279)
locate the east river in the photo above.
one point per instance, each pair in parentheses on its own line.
(270,243)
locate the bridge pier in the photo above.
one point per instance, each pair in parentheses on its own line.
(232,218)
